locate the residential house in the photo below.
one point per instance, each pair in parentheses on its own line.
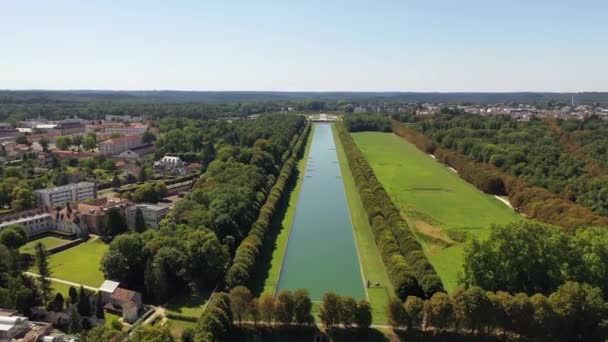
(121,301)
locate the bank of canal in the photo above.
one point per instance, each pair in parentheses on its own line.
(321,255)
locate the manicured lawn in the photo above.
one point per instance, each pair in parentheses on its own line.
(433,199)
(79,264)
(282,225)
(47,242)
(369,257)
(189,304)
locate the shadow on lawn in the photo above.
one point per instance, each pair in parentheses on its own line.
(308,334)
(270,242)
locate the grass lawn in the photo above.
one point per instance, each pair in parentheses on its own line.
(191,304)
(110,318)
(79,264)
(369,257)
(433,199)
(178,326)
(268,278)
(47,242)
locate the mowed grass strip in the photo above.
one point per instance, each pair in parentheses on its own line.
(47,242)
(79,264)
(417,183)
(374,270)
(282,222)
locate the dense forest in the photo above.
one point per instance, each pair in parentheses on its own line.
(367,122)
(531,151)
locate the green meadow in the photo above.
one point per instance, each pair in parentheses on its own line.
(79,264)
(438,205)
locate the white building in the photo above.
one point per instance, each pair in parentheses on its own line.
(118,145)
(131,129)
(12,327)
(168,163)
(152,213)
(70,193)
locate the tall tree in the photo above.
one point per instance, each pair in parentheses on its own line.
(44,271)
(414,309)
(397,317)
(23,199)
(115,223)
(13,237)
(285,306)
(348,310)
(302,307)
(140,222)
(267,305)
(240,302)
(330,310)
(99,312)
(363,316)
(58,302)
(84,304)
(440,311)
(73,295)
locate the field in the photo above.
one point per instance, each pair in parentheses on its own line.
(267,279)
(437,204)
(47,242)
(79,264)
(369,257)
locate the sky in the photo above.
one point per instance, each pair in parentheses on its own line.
(305,45)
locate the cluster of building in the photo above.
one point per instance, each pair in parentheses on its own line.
(74,209)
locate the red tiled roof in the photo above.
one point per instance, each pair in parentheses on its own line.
(123,295)
(122,139)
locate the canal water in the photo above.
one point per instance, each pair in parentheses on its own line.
(321,255)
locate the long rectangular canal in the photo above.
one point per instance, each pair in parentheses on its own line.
(321,254)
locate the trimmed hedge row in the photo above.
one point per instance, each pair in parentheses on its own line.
(408,267)
(537,203)
(248,252)
(216,321)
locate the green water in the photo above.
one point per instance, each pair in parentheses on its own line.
(321,254)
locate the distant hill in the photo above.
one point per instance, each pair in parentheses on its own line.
(33,96)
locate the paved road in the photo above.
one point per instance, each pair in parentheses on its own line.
(64,281)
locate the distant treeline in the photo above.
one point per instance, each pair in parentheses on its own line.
(408,267)
(29,96)
(535,202)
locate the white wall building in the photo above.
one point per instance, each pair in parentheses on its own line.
(70,193)
(152,213)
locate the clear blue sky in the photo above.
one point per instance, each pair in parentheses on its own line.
(448,45)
